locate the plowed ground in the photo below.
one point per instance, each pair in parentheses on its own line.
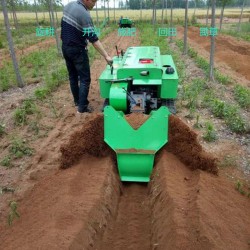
(232,56)
(69,195)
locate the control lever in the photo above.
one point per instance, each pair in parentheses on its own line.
(117,52)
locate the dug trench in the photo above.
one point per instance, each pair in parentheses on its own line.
(186,205)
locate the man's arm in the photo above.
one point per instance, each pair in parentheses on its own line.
(98,46)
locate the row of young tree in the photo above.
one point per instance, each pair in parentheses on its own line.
(148,4)
(51,8)
(42,5)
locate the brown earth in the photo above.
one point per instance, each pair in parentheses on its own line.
(87,207)
(232,56)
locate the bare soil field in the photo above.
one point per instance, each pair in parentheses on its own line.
(69,194)
(232,56)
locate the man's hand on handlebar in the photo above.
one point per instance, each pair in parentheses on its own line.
(109,60)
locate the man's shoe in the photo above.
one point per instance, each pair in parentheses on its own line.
(85,110)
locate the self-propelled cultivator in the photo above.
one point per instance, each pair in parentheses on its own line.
(141,80)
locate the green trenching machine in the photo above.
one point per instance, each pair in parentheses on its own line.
(125,22)
(141,80)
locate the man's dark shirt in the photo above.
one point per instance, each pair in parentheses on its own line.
(77,26)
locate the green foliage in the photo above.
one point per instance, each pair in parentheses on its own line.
(2,129)
(210,134)
(230,113)
(42,93)
(239,186)
(197,123)
(243,34)
(1,44)
(236,124)
(192,53)
(18,148)
(33,125)
(193,20)
(6,161)
(242,96)
(13,212)
(20,116)
(202,63)
(6,77)
(222,78)
(28,107)
(192,91)
(218,108)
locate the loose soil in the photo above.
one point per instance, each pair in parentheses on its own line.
(69,194)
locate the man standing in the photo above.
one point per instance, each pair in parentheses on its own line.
(77,30)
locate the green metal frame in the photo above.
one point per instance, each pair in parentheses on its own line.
(135,149)
(129,66)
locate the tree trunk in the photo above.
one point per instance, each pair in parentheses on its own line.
(221,16)
(104,9)
(166,11)
(207,13)
(108,10)
(114,12)
(171,20)
(97,17)
(154,14)
(185,49)
(57,23)
(241,13)
(162,11)
(37,22)
(55,29)
(195,7)
(140,10)
(12,4)
(212,48)
(11,45)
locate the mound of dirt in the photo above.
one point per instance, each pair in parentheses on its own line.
(87,140)
(195,209)
(182,142)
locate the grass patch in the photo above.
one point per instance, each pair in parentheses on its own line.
(230,113)
(13,214)
(242,96)
(239,186)
(28,107)
(210,134)
(2,129)
(19,148)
